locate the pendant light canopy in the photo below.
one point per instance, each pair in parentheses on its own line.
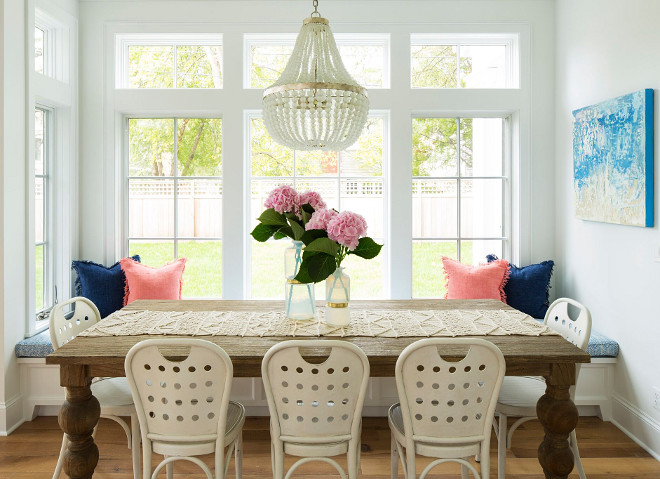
(315,104)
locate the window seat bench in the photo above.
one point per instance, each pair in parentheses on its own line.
(42,395)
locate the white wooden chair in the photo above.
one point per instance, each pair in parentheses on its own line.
(519,395)
(446,408)
(183,406)
(315,409)
(113,394)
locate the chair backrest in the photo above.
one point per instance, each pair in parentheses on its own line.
(578,330)
(65,325)
(315,401)
(180,401)
(445,402)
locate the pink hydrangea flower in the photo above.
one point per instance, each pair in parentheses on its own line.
(320,219)
(282,199)
(311,197)
(347,228)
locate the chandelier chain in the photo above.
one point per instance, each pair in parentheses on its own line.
(315,4)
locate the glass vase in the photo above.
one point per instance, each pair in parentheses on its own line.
(298,297)
(337,297)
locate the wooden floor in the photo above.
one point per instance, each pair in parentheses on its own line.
(31,453)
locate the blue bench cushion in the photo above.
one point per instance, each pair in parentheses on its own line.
(39,346)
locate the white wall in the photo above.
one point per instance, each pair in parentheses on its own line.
(534,105)
(607,48)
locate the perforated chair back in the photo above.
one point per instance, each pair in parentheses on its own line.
(576,331)
(320,402)
(446,402)
(180,401)
(63,329)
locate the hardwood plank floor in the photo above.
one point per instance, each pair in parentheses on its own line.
(31,453)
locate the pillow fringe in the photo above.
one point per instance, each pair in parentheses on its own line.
(505,280)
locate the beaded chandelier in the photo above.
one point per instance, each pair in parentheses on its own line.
(315,104)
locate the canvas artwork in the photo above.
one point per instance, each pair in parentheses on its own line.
(613,160)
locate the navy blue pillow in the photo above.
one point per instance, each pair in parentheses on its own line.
(103,286)
(528,287)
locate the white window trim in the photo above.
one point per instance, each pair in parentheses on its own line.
(384,116)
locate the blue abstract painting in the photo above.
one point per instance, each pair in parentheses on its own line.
(613,160)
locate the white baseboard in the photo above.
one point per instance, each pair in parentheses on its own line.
(635,423)
(11,415)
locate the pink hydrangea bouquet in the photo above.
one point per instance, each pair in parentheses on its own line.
(328,236)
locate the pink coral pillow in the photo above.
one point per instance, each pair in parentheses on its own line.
(145,282)
(485,281)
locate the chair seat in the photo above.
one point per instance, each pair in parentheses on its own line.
(112,392)
(519,395)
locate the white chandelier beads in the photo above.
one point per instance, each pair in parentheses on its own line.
(315,104)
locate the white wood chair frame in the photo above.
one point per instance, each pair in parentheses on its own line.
(466,390)
(578,332)
(63,328)
(330,394)
(198,425)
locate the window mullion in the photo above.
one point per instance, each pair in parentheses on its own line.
(458,189)
(175,174)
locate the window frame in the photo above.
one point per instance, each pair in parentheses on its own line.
(126,40)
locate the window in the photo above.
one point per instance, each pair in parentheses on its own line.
(347,180)
(366,57)
(440,61)
(460,195)
(175,197)
(43,277)
(180,61)
(39,43)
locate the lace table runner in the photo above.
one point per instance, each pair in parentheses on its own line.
(369,323)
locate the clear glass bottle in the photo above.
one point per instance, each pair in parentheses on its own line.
(298,297)
(337,296)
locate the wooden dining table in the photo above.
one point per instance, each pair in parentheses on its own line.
(550,356)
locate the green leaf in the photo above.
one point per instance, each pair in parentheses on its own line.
(263,232)
(272,218)
(323,245)
(321,266)
(303,274)
(298,231)
(306,215)
(366,248)
(284,232)
(308,208)
(311,235)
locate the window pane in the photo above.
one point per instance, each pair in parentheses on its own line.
(39,151)
(39,277)
(365,63)
(39,203)
(151,208)
(481,208)
(434,147)
(151,147)
(481,147)
(434,66)
(267,273)
(150,66)
(328,190)
(199,150)
(365,197)
(267,61)
(487,66)
(366,275)
(199,208)
(435,208)
(39,37)
(365,157)
(152,253)
(428,273)
(199,66)
(316,163)
(475,251)
(259,192)
(203,275)
(268,157)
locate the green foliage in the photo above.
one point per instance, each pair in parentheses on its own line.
(367,248)
(436,66)
(435,146)
(323,245)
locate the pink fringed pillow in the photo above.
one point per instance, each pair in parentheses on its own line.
(145,282)
(485,281)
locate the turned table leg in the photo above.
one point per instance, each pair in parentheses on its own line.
(78,416)
(559,416)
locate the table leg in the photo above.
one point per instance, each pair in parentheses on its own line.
(78,416)
(558,415)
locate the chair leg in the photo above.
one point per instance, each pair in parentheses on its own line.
(352,458)
(576,455)
(394,458)
(464,471)
(135,446)
(238,455)
(484,454)
(278,461)
(410,464)
(169,470)
(501,447)
(60,460)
